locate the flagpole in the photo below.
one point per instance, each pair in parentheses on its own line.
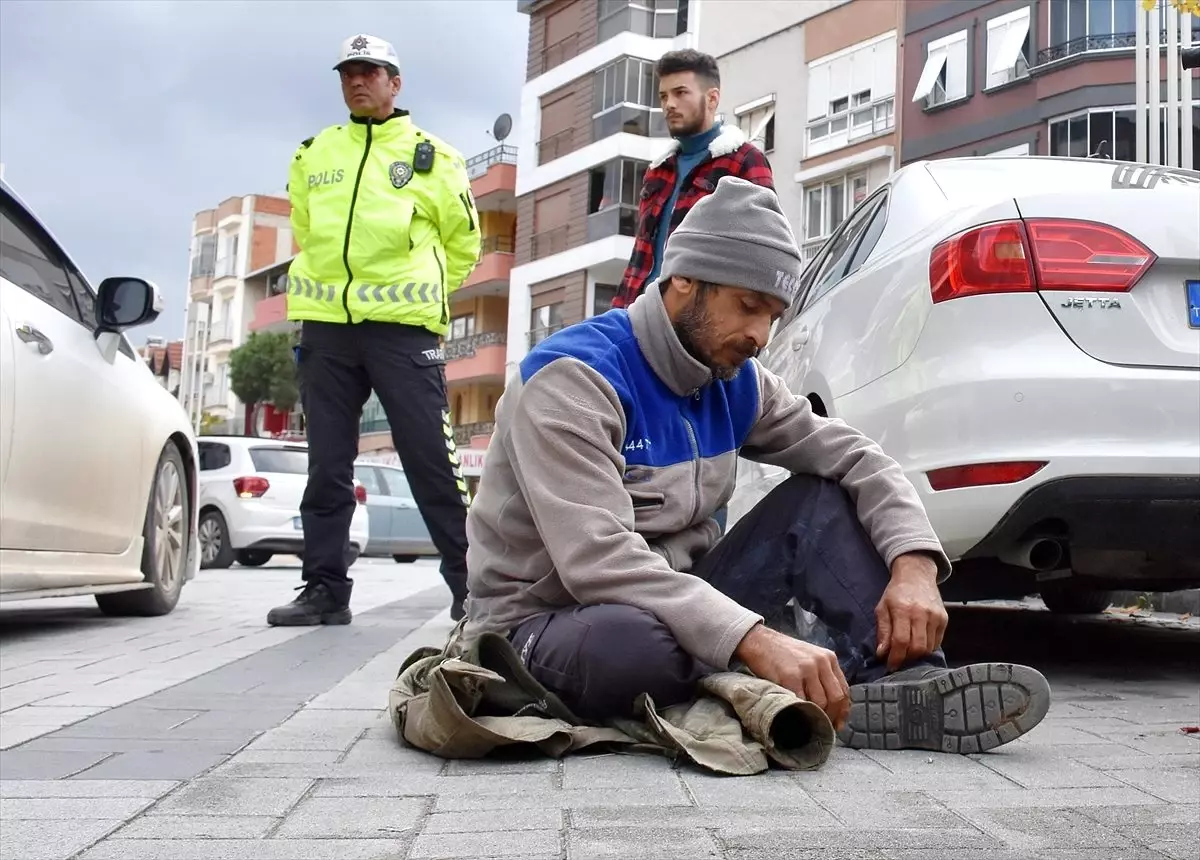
(1140,77)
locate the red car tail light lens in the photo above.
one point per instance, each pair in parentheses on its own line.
(983,474)
(1037,254)
(251,488)
(360,494)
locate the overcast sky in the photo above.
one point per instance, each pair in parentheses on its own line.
(119,119)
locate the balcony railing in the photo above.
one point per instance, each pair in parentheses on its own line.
(559,143)
(559,52)
(221,333)
(477,165)
(226,267)
(495,245)
(466,347)
(620,220)
(464,432)
(550,242)
(538,335)
(1101,42)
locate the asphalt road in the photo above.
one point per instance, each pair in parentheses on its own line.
(206,734)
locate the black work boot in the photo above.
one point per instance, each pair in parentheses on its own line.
(316,604)
(966,710)
(457,610)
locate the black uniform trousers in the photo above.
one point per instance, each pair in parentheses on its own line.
(339,365)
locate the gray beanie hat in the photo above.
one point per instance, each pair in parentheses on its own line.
(738,237)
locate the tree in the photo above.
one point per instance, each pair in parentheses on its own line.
(263,370)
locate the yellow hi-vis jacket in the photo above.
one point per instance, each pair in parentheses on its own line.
(379,238)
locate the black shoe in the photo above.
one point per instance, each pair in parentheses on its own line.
(457,611)
(315,605)
(966,710)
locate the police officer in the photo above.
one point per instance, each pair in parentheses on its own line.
(387,229)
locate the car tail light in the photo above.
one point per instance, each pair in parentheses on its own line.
(251,488)
(983,474)
(360,494)
(1037,254)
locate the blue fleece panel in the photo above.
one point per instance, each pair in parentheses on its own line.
(662,428)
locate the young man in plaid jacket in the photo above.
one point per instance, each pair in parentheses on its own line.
(705,150)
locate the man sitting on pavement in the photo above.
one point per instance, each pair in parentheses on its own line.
(591,539)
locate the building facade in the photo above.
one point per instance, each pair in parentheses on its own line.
(1036,77)
(824,113)
(242,236)
(590,125)
(165,360)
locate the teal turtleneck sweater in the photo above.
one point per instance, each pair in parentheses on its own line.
(693,149)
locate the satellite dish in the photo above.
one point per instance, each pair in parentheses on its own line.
(502,127)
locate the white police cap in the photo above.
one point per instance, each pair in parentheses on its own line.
(367,49)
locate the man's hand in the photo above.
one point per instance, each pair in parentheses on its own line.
(807,670)
(911,617)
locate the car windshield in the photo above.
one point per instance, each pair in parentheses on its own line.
(287,461)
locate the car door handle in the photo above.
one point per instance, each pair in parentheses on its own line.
(29,334)
(801,339)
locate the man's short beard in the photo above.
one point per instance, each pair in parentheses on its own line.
(693,326)
(692,129)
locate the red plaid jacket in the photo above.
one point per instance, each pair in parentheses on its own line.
(730,155)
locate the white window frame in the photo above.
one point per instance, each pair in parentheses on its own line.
(1007,54)
(651,98)
(865,113)
(754,117)
(932,86)
(1108,109)
(844,185)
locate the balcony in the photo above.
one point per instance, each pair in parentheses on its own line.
(464,434)
(558,53)
(270,314)
(477,358)
(490,276)
(226,267)
(849,126)
(221,336)
(549,242)
(1102,42)
(558,144)
(200,287)
(540,334)
(620,220)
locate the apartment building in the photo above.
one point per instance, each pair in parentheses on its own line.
(590,125)
(813,83)
(1041,77)
(165,360)
(242,235)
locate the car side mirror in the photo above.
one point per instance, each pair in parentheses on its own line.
(123,303)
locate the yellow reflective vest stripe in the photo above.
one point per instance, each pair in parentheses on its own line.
(379,239)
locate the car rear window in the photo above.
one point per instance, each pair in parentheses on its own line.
(286,461)
(214,455)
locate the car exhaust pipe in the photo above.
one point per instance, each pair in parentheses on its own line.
(1040,554)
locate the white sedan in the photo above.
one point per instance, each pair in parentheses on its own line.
(1023,336)
(97,460)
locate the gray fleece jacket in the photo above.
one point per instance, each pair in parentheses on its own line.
(612,451)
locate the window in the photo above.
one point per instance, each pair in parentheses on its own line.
(1111,133)
(626,100)
(281,461)
(843,251)
(827,205)
(944,77)
(213,456)
(396,482)
(544,321)
(1077,26)
(1008,48)
(614,190)
(603,298)
(657,18)
(368,476)
(26,260)
(204,259)
(756,120)
(851,95)
(461,327)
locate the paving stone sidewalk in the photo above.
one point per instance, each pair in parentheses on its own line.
(272,744)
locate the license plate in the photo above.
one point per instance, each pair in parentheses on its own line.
(1193,303)
(298,524)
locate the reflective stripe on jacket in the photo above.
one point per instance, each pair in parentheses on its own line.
(378,239)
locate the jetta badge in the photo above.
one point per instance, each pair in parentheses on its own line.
(1106,304)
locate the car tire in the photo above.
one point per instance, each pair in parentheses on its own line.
(213,528)
(253,557)
(166,536)
(404,559)
(1073,599)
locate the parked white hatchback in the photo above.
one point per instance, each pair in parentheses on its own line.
(97,460)
(250,491)
(1023,336)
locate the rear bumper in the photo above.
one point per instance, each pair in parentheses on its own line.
(258,526)
(401,546)
(994,379)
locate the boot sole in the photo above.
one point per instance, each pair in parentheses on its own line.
(342,616)
(967,710)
